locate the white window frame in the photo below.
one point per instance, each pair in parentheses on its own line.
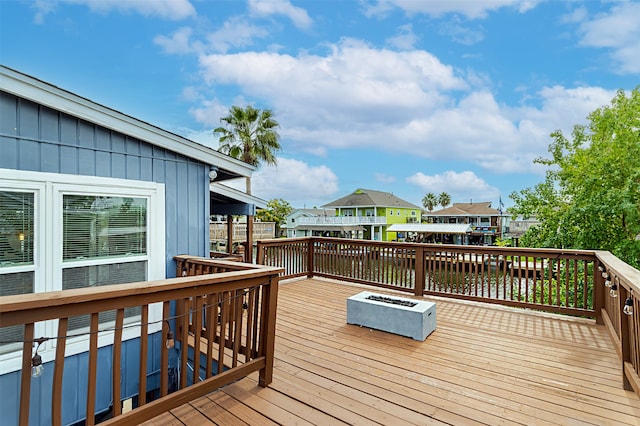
(49,189)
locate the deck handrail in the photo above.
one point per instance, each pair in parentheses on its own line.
(560,281)
(204,289)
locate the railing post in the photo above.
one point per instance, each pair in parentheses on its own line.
(265,375)
(310,257)
(598,292)
(420,276)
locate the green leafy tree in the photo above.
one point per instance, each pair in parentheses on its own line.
(444,199)
(250,135)
(430,201)
(277,211)
(590,198)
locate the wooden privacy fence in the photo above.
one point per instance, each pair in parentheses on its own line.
(559,281)
(225,311)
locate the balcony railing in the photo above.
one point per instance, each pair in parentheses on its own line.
(568,282)
(342,220)
(225,311)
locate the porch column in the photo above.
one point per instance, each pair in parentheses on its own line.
(248,250)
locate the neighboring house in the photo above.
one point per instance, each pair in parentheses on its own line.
(519,226)
(295,218)
(486,222)
(365,214)
(90,196)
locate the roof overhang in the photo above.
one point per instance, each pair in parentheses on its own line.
(225,200)
(43,93)
(431,228)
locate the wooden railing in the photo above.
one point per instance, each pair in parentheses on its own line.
(559,281)
(224,310)
(619,284)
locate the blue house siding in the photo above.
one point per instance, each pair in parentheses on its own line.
(40,139)
(37,138)
(74,384)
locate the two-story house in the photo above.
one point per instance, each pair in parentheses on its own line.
(485,221)
(364,214)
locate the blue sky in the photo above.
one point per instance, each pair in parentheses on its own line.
(403,96)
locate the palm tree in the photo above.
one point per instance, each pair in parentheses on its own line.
(249,134)
(430,201)
(444,199)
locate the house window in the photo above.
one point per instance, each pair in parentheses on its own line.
(413,212)
(390,212)
(369,213)
(17,266)
(348,213)
(58,232)
(99,229)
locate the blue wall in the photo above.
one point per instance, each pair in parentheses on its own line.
(40,139)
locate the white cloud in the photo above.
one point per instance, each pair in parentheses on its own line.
(474,9)
(235,32)
(166,9)
(461,33)
(405,40)
(618,31)
(403,102)
(301,182)
(461,186)
(179,42)
(297,15)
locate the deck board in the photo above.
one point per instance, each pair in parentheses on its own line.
(484,364)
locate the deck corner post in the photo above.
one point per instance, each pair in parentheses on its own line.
(265,375)
(310,257)
(420,277)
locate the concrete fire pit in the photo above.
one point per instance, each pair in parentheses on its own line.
(406,317)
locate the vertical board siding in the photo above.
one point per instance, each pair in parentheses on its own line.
(40,139)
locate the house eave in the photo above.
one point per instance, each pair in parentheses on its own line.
(43,93)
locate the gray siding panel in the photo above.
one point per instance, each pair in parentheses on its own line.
(50,158)
(8,152)
(8,114)
(69,160)
(28,119)
(29,155)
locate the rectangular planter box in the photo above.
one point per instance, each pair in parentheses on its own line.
(389,313)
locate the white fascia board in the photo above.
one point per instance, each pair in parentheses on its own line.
(43,93)
(239,196)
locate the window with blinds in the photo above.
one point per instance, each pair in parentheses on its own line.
(16,254)
(64,232)
(99,228)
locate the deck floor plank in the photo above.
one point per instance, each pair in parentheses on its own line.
(484,364)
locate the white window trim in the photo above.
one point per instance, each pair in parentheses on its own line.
(48,189)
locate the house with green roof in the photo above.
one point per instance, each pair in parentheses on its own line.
(364,214)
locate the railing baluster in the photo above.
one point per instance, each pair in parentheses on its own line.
(117,362)
(25,379)
(197,333)
(92,370)
(210,319)
(58,370)
(144,345)
(164,351)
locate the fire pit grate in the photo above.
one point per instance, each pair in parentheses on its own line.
(392,301)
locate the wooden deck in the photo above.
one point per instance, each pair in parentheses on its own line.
(483,365)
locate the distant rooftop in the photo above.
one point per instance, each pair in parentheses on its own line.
(370,198)
(467,209)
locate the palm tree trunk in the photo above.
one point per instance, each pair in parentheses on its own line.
(248,178)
